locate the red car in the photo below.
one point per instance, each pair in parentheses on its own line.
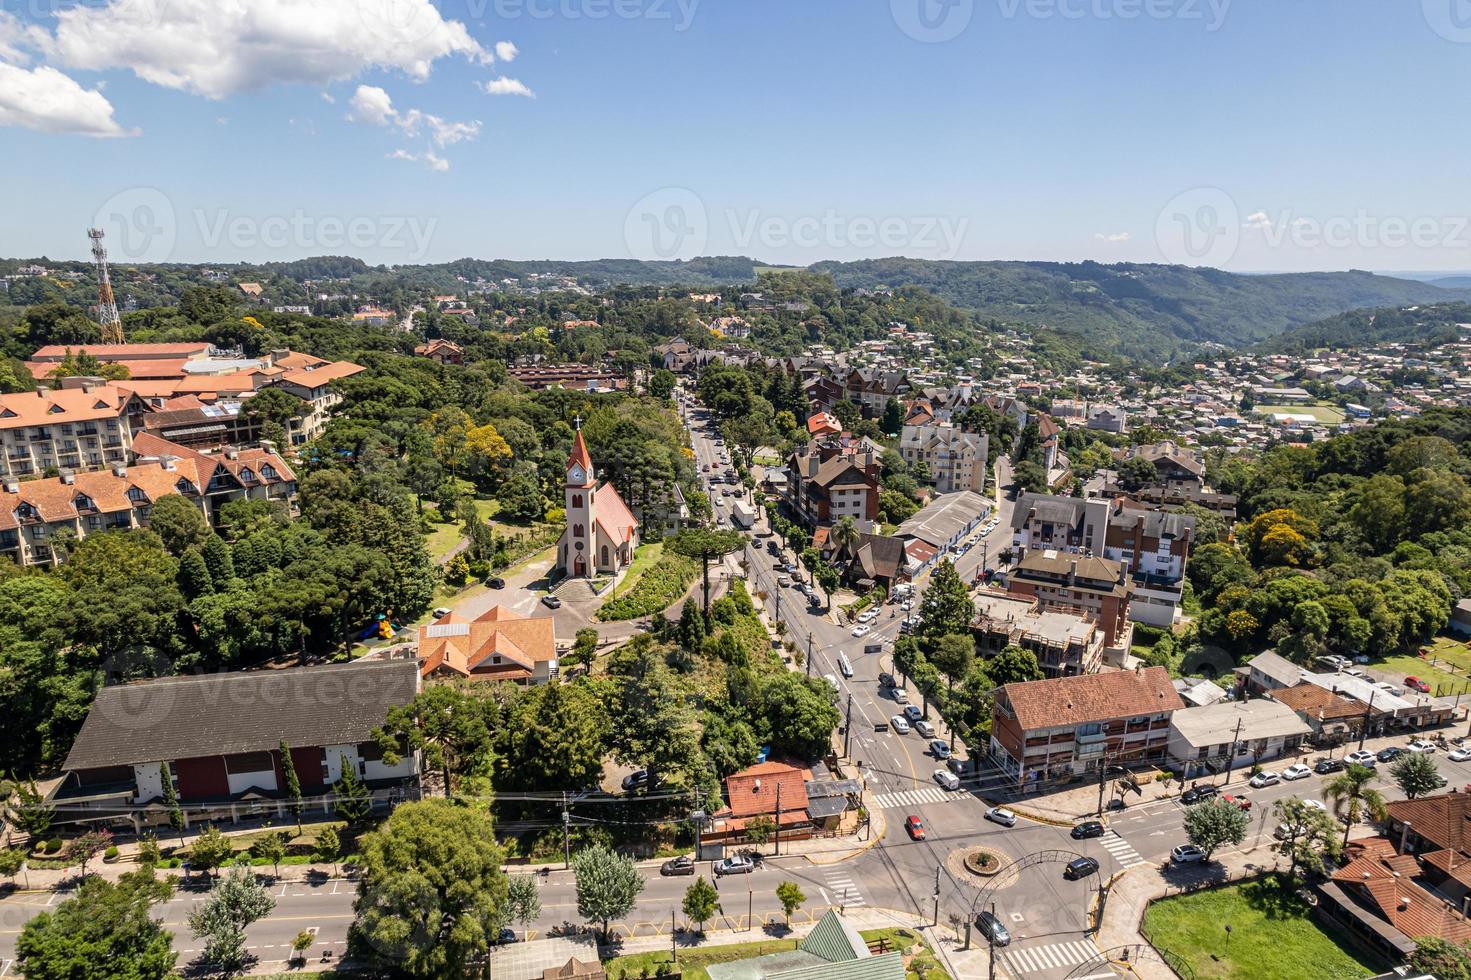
(1240,802)
(1415,683)
(915,826)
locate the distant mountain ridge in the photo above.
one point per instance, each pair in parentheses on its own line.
(1423,325)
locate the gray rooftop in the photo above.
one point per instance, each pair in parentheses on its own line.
(945,517)
(1216,723)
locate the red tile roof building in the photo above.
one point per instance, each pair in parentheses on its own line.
(498,646)
(602,533)
(1069,725)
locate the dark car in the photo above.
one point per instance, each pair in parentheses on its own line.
(635,780)
(1086,829)
(1080,868)
(1390,754)
(504,938)
(886,679)
(1327,766)
(496,582)
(682,865)
(992,929)
(1195,794)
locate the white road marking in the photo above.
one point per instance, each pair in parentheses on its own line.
(911,797)
(1123,852)
(1037,959)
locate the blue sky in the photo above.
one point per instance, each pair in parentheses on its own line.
(1264,135)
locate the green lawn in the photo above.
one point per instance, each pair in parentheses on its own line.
(692,962)
(445,536)
(1406,665)
(644,558)
(1273,936)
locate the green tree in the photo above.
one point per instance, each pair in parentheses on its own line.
(691,627)
(432,895)
(353,799)
(446,724)
(179,523)
(1136,472)
(523,900)
(1306,835)
(585,647)
(328,847)
(607,884)
(1352,797)
(893,418)
(557,736)
(1213,823)
(103,932)
(946,606)
(701,902)
(653,724)
(12,860)
(210,850)
(953,654)
(237,900)
(171,800)
(845,536)
(1441,958)
(149,854)
(706,544)
(270,846)
(520,495)
(661,384)
(1415,773)
(84,848)
(789,893)
(799,713)
(759,829)
(293,784)
(28,809)
(194,577)
(1014,665)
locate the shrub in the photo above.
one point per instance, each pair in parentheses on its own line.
(111,853)
(660,586)
(52,846)
(479,569)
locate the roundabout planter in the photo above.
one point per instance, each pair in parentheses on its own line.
(983,862)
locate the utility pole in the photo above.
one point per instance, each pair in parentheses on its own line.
(776,831)
(936,922)
(673,942)
(1231,754)
(1368,710)
(809,653)
(847,729)
(1102,781)
(566,834)
(991,941)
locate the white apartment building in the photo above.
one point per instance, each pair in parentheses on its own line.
(956,459)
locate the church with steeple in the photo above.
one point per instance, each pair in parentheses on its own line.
(602,532)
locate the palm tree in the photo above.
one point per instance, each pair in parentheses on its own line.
(845,535)
(1352,797)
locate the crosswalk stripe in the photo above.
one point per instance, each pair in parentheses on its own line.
(1054,956)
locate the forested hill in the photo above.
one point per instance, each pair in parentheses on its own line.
(1428,325)
(1144,311)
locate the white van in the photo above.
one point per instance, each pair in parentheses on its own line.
(845,665)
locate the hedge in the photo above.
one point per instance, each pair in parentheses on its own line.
(659,588)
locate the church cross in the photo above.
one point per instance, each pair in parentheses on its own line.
(577,421)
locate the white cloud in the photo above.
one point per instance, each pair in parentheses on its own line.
(507,86)
(45,99)
(15,37)
(216,48)
(370,104)
(327,98)
(1122,236)
(428,158)
(1257,220)
(506,51)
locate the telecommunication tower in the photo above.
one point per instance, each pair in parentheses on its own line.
(112,324)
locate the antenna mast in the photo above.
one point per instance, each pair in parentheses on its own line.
(112,324)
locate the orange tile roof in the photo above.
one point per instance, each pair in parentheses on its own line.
(1443,820)
(752,791)
(611,514)
(1311,699)
(124,352)
(1063,701)
(295,360)
(469,647)
(1384,880)
(148,368)
(62,405)
(316,377)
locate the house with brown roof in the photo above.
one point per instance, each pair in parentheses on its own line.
(1384,896)
(1333,718)
(497,645)
(441,351)
(1067,726)
(834,477)
(772,789)
(1437,830)
(1097,588)
(313,385)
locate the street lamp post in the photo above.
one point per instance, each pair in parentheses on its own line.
(1368,710)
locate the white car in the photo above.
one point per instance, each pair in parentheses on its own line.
(832,682)
(940,749)
(1315,805)
(1420,745)
(862,629)
(1459,755)
(900,695)
(1000,815)
(1264,778)
(947,779)
(900,724)
(1187,854)
(1296,771)
(925,728)
(1362,757)
(869,616)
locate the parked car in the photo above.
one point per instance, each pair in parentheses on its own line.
(551,602)
(1459,755)
(1080,868)
(913,712)
(940,749)
(1362,757)
(1264,778)
(1001,815)
(924,728)
(1087,829)
(1187,854)
(1328,766)
(1195,794)
(900,695)
(915,826)
(682,865)
(1415,683)
(1240,802)
(1421,746)
(947,779)
(1296,771)
(495,582)
(886,679)
(900,723)
(635,780)
(737,865)
(504,937)
(861,630)
(1389,753)
(992,930)
(956,765)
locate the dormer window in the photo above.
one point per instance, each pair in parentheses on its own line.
(137,496)
(247,474)
(184,486)
(83,502)
(268,472)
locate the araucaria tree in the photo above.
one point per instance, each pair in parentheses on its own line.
(432,896)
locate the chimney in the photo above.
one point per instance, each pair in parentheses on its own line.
(42,391)
(232,454)
(12,486)
(167,462)
(756,786)
(1404,902)
(1404,833)
(268,445)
